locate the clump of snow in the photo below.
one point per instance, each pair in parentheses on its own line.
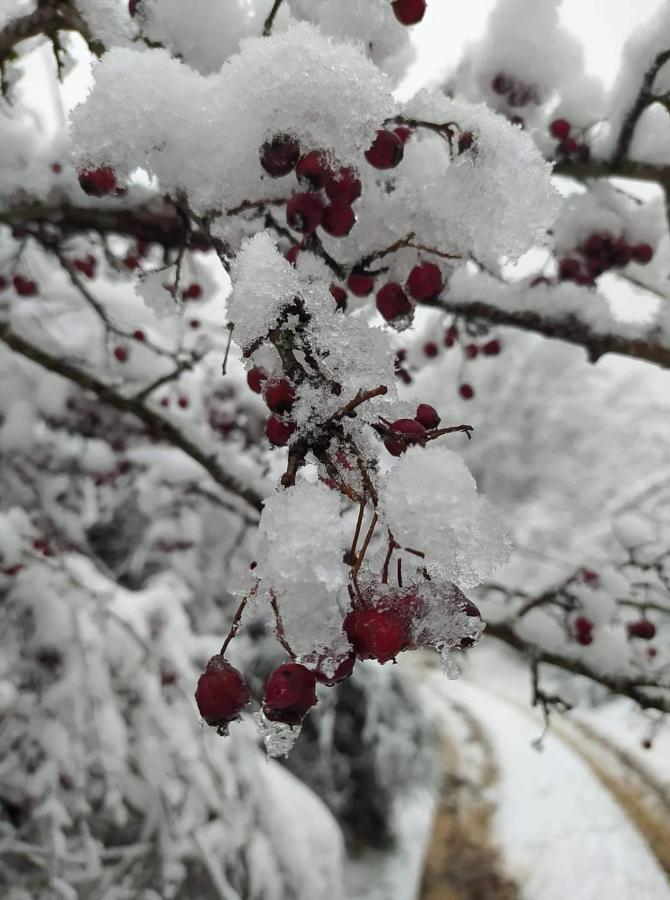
(302,542)
(299,82)
(429,501)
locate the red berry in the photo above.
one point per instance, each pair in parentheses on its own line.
(431,349)
(560,129)
(590,577)
(427,415)
(409,12)
(425,281)
(131,262)
(568,146)
(643,253)
(98,182)
(375,634)
(392,302)
(568,269)
(279,394)
(593,246)
(360,285)
(193,291)
(3,283)
(25,287)
(290,692)
(338,220)
(121,354)
(517,120)
(280,155)
(255,379)
(386,150)
(471,351)
(132,7)
(182,402)
(466,391)
(304,212)
(411,429)
(450,336)
(165,401)
(621,253)
(194,323)
(583,631)
(340,296)
(403,132)
(221,693)
(642,629)
(344,187)
(278,432)
(139,335)
(502,84)
(314,169)
(492,347)
(395,448)
(56,168)
(86,266)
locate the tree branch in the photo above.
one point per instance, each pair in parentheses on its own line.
(154,422)
(644,99)
(646,695)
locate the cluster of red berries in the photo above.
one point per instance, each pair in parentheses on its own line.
(642,629)
(306,211)
(569,147)
(409,12)
(403,433)
(279,395)
(599,253)
(516,92)
(424,284)
(379,632)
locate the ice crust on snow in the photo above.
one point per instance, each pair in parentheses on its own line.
(429,501)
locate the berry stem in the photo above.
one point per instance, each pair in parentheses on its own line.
(361,397)
(281,635)
(359,523)
(366,544)
(237,618)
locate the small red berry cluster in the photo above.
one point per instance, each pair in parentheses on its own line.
(99,182)
(517,93)
(583,627)
(379,630)
(599,253)
(569,147)
(279,395)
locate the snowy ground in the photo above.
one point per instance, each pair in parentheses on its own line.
(584,817)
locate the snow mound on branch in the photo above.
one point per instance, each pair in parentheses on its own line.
(299,82)
(430,503)
(302,542)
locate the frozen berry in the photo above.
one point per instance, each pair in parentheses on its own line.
(502,84)
(25,287)
(139,335)
(344,187)
(471,351)
(386,151)
(560,129)
(593,246)
(193,291)
(427,415)
(86,265)
(313,169)
(278,432)
(131,262)
(409,12)
(255,379)
(304,212)
(280,155)
(279,394)
(411,430)
(121,354)
(568,269)
(360,285)
(183,402)
(450,336)
(392,302)
(338,220)
(132,7)
(642,629)
(466,391)
(583,631)
(491,348)
(290,692)
(621,253)
(431,349)
(643,253)
(425,281)
(98,182)
(221,693)
(375,634)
